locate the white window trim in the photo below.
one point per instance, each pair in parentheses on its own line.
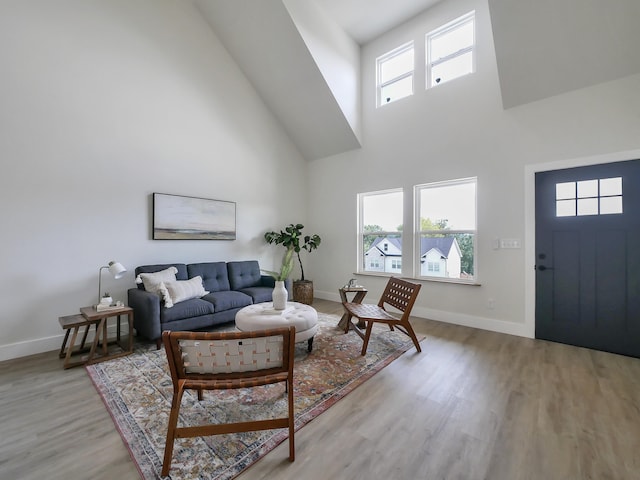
(417,233)
(386,57)
(444,29)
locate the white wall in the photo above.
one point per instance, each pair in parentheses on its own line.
(457,130)
(103,103)
(335,53)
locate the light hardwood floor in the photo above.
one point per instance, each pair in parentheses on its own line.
(472,405)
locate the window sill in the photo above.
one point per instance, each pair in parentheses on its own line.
(453,281)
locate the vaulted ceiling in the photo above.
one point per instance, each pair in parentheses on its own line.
(302,56)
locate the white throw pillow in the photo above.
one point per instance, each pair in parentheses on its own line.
(152,281)
(181,290)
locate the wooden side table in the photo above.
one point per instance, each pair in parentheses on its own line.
(75,323)
(90,316)
(360,293)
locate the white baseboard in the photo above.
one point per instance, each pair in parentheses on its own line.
(483,323)
(48,344)
(30,347)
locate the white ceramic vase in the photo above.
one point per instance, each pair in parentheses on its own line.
(280,296)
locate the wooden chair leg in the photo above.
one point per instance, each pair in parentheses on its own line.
(366,338)
(292,448)
(412,334)
(171,430)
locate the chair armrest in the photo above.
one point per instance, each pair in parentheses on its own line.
(146,312)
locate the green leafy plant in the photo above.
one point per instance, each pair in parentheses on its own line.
(291,238)
(285,269)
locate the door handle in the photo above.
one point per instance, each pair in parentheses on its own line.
(542,268)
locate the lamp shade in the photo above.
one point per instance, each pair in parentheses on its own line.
(117,270)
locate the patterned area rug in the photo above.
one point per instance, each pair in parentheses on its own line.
(137,391)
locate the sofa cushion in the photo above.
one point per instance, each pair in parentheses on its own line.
(180,275)
(214,275)
(228,300)
(181,290)
(244,274)
(194,307)
(259,294)
(153,282)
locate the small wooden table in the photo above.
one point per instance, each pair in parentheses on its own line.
(90,316)
(360,293)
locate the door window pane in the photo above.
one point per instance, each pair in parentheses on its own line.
(566,208)
(588,188)
(565,190)
(611,186)
(587,206)
(610,205)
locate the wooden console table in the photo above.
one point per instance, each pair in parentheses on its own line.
(360,293)
(90,316)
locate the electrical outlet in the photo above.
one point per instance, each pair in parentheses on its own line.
(491,303)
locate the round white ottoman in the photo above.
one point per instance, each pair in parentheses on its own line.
(261,316)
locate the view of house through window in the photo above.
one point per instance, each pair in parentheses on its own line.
(450,50)
(381,231)
(446,229)
(444,232)
(395,74)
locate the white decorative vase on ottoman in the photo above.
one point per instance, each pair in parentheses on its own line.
(280,296)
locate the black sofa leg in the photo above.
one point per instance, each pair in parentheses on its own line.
(158,343)
(310,345)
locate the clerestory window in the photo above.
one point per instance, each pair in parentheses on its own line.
(395,74)
(450,50)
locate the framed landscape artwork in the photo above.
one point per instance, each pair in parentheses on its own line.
(189,218)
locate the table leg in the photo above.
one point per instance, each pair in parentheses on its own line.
(345,321)
(64,342)
(100,327)
(130,317)
(84,336)
(67,359)
(105,343)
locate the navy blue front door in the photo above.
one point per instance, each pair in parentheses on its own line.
(588,256)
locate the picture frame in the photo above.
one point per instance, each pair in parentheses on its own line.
(177,217)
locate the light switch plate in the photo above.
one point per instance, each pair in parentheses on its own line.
(509,243)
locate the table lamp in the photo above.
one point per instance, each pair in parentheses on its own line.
(116,269)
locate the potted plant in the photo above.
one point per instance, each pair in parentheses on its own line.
(280,293)
(291,238)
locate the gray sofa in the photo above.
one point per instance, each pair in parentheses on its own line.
(231,286)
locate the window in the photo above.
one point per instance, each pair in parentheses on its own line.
(450,50)
(433,267)
(445,230)
(395,74)
(380,231)
(589,197)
